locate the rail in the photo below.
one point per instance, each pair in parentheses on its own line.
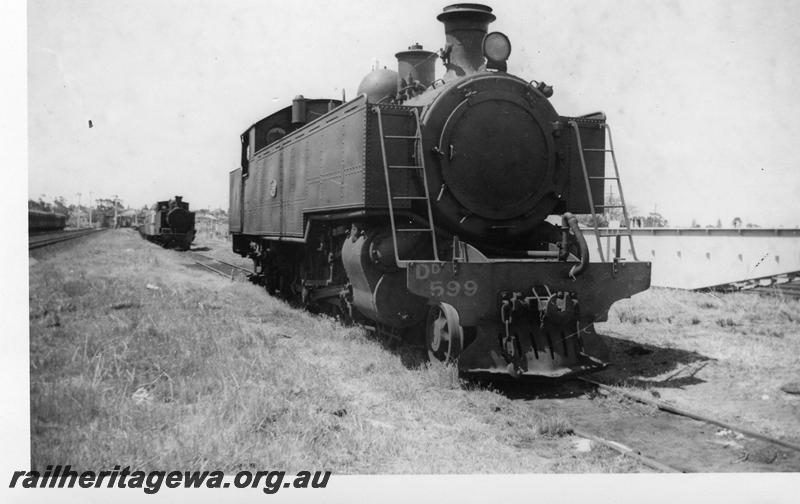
(663,406)
(219,267)
(46,239)
(629,452)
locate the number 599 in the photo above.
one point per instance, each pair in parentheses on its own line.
(453,288)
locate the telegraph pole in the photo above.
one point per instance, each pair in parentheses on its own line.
(90,209)
(115,210)
(79,209)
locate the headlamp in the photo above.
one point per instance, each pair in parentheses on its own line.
(496,47)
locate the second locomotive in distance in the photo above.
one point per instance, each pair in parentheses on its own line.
(170,224)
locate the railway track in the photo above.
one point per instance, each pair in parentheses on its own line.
(786,286)
(734,449)
(663,406)
(220,267)
(788,289)
(45,239)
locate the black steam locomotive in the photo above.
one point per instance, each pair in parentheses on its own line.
(170,224)
(439,207)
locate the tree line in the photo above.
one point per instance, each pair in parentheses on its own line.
(101,211)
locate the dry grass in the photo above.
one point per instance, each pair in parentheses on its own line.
(740,313)
(599,460)
(740,330)
(138,360)
(726,355)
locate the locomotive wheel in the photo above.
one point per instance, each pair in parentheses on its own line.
(444,335)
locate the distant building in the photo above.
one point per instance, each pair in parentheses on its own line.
(212,224)
(128,218)
(653,220)
(78,218)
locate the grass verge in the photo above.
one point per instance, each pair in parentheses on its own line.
(138,359)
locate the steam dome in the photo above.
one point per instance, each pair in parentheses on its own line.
(379,85)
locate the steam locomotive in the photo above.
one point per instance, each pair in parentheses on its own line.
(442,209)
(170,224)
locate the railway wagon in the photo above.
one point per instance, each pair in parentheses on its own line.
(439,210)
(39,221)
(170,224)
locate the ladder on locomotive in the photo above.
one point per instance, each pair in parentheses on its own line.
(622,231)
(391,196)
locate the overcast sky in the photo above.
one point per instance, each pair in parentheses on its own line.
(701,96)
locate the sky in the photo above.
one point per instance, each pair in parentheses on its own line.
(700,95)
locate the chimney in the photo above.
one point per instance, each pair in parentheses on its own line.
(299,111)
(465,25)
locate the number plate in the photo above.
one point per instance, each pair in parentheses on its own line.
(443,289)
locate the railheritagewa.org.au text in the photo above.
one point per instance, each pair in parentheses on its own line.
(152,481)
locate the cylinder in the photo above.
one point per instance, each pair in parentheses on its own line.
(379,294)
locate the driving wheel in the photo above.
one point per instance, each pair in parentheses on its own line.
(444,334)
